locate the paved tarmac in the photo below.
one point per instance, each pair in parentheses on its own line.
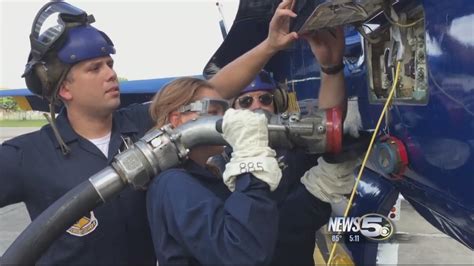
(418,242)
(10,132)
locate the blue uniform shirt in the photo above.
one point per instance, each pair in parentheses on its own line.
(34,170)
(300,213)
(196,220)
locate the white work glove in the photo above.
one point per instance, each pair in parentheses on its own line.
(247,133)
(330,182)
(352,122)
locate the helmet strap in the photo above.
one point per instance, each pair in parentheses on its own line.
(50,92)
(52,115)
(52,121)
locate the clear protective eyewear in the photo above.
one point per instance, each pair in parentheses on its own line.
(206,106)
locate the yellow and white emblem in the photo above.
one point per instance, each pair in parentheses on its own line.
(84,226)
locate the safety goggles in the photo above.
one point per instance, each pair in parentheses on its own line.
(50,24)
(206,106)
(247,100)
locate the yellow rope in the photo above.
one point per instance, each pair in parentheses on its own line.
(400,24)
(293,106)
(377,127)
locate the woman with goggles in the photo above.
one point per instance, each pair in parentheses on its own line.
(199,218)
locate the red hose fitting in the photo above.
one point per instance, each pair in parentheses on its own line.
(334,130)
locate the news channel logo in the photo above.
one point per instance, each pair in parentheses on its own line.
(372,226)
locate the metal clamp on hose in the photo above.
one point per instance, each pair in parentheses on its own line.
(158,150)
(147,158)
(320,132)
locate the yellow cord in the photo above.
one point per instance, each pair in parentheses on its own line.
(377,127)
(402,25)
(293,106)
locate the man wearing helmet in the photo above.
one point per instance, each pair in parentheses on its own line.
(71,63)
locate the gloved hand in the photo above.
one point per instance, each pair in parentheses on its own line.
(352,122)
(330,182)
(247,133)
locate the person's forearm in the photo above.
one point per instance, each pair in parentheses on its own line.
(236,75)
(332,92)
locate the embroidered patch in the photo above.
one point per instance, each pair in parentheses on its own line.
(84,226)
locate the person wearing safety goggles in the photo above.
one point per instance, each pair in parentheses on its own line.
(70,65)
(197,217)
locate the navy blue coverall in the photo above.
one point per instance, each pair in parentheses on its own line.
(34,171)
(196,220)
(300,213)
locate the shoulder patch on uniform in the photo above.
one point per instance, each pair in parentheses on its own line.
(84,226)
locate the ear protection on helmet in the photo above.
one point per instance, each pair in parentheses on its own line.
(45,76)
(32,80)
(280,97)
(54,50)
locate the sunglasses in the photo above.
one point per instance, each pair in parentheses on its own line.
(247,100)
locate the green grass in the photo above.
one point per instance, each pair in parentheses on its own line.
(22,123)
